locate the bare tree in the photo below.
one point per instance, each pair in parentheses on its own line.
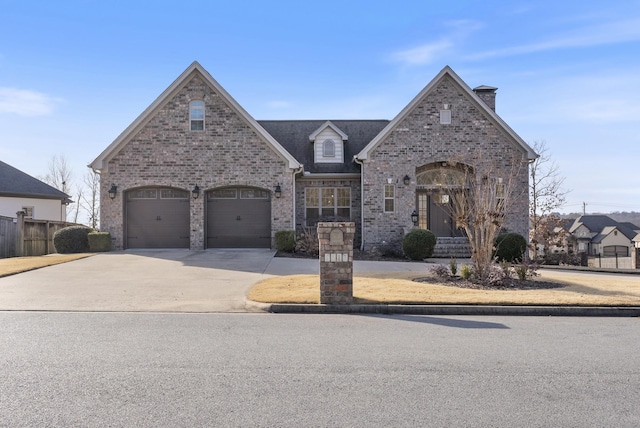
(59,175)
(90,200)
(480,196)
(546,195)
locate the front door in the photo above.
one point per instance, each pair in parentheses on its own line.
(434,214)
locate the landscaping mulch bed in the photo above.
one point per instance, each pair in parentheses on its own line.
(513,284)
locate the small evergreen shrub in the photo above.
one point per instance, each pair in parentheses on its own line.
(510,247)
(466,272)
(453,266)
(99,242)
(72,239)
(286,241)
(419,244)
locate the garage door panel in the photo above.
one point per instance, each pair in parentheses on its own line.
(239,218)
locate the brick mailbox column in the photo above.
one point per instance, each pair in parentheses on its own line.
(336,262)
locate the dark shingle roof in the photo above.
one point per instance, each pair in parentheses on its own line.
(14,182)
(598,224)
(293,135)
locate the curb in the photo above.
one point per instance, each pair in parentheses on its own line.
(564,311)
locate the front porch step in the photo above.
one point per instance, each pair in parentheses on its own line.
(447,248)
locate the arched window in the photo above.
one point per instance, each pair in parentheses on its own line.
(442,177)
(328,149)
(196,115)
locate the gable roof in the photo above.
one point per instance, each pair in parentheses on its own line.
(447,71)
(602,225)
(326,125)
(294,136)
(16,183)
(593,222)
(195,68)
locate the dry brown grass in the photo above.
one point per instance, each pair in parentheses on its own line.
(15,265)
(399,288)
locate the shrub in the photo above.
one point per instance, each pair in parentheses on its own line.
(308,242)
(72,239)
(99,242)
(465,272)
(286,240)
(510,247)
(440,271)
(526,271)
(419,244)
(453,266)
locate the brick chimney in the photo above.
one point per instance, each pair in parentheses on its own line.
(487,94)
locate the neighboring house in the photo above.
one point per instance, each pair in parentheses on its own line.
(195,170)
(22,192)
(600,235)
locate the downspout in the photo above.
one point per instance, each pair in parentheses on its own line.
(361,163)
(295,172)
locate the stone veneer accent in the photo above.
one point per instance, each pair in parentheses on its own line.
(419,140)
(164,152)
(336,262)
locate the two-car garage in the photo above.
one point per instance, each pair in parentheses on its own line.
(235,217)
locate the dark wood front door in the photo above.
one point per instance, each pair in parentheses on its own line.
(434,214)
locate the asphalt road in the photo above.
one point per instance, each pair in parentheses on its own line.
(144,369)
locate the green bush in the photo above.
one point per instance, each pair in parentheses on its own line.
(419,244)
(286,240)
(99,242)
(510,247)
(466,272)
(72,239)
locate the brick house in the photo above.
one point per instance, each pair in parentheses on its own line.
(195,170)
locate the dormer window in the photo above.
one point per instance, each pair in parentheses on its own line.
(328,144)
(329,149)
(196,115)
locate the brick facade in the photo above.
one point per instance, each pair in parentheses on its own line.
(420,139)
(159,150)
(165,153)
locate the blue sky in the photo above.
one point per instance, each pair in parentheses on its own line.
(75,74)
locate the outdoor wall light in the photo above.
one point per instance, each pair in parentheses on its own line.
(195,192)
(406,180)
(278,191)
(113,191)
(414,218)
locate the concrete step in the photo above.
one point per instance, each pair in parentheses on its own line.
(457,247)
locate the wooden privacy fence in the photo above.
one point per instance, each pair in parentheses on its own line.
(27,237)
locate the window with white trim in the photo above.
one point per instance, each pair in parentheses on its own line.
(389,198)
(445,117)
(196,115)
(327,204)
(329,149)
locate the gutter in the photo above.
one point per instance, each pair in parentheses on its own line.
(361,163)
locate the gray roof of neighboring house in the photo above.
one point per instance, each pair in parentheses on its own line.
(602,225)
(293,135)
(16,183)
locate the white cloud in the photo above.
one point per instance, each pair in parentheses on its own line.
(25,102)
(424,54)
(279,104)
(430,52)
(596,35)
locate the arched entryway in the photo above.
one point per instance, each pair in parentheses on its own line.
(239,217)
(436,183)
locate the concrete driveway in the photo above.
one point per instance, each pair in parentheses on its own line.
(160,281)
(145,280)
